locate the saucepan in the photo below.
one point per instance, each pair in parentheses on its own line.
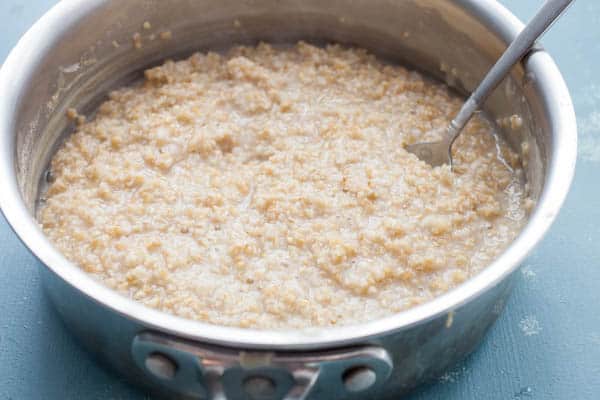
(81,49)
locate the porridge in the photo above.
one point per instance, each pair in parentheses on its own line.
(269,188)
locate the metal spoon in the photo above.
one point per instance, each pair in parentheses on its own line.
(440,152)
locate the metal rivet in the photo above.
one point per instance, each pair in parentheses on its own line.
(259,387)
(357,379)
(161,366)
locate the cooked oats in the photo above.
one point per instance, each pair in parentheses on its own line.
(269,188)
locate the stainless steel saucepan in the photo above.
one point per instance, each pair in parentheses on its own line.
(83,48)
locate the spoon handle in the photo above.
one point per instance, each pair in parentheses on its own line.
(542,20)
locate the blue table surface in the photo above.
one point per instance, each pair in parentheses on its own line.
(546,345)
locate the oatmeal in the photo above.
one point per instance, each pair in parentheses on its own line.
(270,188)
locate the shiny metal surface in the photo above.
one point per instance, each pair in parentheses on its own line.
(440,152)
(68,59)
(230,374)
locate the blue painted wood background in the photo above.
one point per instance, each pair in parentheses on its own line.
(545,346)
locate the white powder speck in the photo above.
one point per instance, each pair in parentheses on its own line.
(528,273)
(589,139)
(588,104)
(524,392)
(589,96)
(453,375)
(530,326)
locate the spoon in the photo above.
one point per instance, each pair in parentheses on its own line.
(440,152)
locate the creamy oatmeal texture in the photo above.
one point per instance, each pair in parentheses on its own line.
(269,188)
